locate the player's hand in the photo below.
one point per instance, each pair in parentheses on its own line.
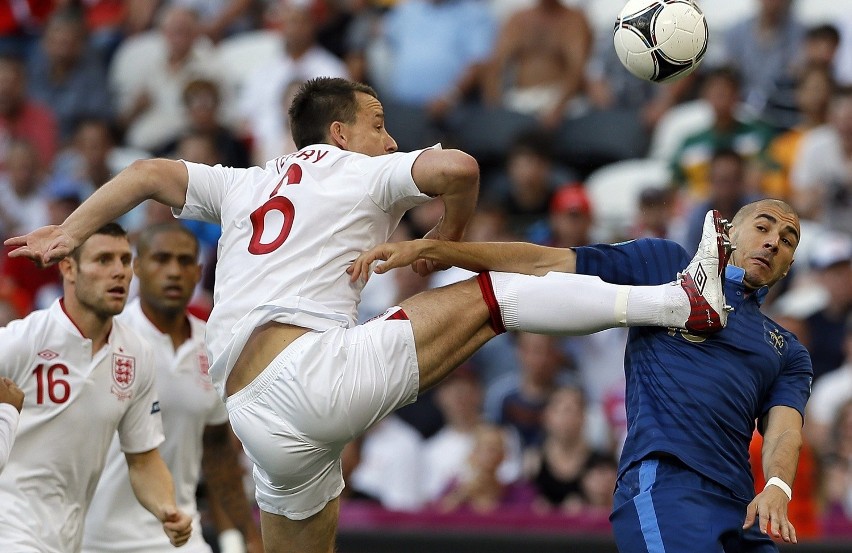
(45,245)
(177,525)
(11,394)
(394,254)
(769,508)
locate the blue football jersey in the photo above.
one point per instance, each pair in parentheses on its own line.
(698,397)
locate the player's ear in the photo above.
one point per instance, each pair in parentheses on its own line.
(338,134)
(790,267)
(66,267)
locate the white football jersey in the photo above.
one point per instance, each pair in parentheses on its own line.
(188,403)
(289,232)
(75,401)
(8,427)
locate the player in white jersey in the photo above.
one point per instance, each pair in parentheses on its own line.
(194,417)
(85,376)
(11,401)
(300,380)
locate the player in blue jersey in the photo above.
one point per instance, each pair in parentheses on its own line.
(692,401)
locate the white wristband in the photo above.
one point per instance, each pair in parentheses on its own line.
(231,541)
(775,481)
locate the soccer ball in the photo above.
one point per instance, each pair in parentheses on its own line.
(660,40)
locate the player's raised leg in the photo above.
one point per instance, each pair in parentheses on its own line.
(565,303)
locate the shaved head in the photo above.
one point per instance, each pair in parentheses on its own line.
(748,209)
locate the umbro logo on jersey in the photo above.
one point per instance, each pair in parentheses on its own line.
(155,407)
(47,354)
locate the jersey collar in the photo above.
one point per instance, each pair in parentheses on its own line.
(737,274)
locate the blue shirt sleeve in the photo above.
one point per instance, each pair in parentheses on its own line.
(647,261)
(792,388)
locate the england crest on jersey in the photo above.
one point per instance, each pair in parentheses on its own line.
(123,375)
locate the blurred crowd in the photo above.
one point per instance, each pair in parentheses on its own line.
(573,150)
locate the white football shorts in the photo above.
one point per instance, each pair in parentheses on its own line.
(318,394)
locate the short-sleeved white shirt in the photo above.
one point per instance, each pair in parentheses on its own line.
(8,426)
(75,401)
(289,232)
(188,403)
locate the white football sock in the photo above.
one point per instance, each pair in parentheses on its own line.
(566,303)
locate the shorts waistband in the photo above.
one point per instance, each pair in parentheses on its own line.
(257,386)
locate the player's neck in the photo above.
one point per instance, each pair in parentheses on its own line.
(174,324)
(94,326)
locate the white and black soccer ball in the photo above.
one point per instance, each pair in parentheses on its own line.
(660,40)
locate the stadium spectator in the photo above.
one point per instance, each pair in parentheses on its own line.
(517,399)
(21,23)
(837,477)
(201,100)
(22,200)
(655,214)
(814,89)
(539,62)
(822,175)
(831,261)
(830,393)
(524,189)
(763,47)
(556,468)
(149,85)
(691,163)
(783,106)
(570,217)
(448,40)
(459,399)
(479,488)
(92,158)
(65,74)
(22,118)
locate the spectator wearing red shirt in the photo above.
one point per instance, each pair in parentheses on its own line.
(22,118)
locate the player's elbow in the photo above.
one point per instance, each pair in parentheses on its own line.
(460,173)
(163,180)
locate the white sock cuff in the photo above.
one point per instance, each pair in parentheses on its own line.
(507,298)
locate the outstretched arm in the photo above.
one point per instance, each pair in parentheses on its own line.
(512,257)
(782,441)
(160,179)
(152,485)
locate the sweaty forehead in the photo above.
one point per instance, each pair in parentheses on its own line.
(100,244)
(369,105)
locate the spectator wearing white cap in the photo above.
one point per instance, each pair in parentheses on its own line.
(831,261)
